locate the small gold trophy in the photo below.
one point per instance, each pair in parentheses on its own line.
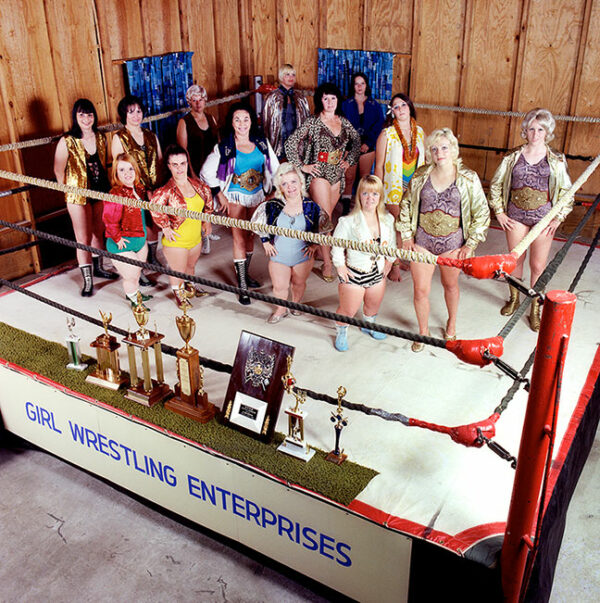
(294,443)
(146,391)
(190,398)
(337,456)
(73,347)
(107,374)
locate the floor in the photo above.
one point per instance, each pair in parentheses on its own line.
(190,564)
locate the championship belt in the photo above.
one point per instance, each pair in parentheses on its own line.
(333,157)
(438,223)
(249,180)
(528,199)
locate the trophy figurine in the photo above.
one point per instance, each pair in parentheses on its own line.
(294,443)
(73,347)
(337,456)
(146,391)
(190,398)
(107,373)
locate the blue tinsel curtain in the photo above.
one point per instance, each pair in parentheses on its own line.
(161,83)
(337,66)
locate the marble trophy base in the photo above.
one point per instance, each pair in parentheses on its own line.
(203,411)
(158,393)
(77,367)
(299,450)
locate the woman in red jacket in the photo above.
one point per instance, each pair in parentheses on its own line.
(125,227)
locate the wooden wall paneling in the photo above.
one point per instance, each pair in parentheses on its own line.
(301,25)
(74,47)
(246,37)
(121,37)
(344,24)
(550,58)
(388,25)
(160,23)
(437,56)
(265,41)
(198,36)
(489,67)
(226,23)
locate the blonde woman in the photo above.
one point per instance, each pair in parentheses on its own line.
(528,182)
(362,275)
(444,212)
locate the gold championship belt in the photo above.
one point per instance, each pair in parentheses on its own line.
(333,157)
(249,180)
(528,199)
(438,223)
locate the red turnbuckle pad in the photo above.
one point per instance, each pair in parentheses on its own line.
(469,435)
(472,351)
(485,266)
(266,88)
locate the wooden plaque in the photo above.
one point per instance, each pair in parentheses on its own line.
(256,389)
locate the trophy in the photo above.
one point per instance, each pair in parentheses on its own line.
(107,373)
(190,398)
(146,391)
(294,443)
(73,347)
(337,456)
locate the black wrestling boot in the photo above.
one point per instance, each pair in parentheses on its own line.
(99,272)
(152,259)
(88,281)
(252,284)
(144,281)
(240,270)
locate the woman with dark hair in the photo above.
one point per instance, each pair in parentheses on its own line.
(528,182)
(398,153)
(365,114)
(143,145)
(239,171)
(182,237)
(125,227)
(324,147)
(80,160)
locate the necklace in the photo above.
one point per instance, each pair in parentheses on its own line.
(410,152)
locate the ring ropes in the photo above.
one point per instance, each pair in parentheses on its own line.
(472,435)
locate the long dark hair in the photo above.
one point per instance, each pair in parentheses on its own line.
(241,106)
(321,91)
(351,92)
(389,120)
(170,151)
(82,105)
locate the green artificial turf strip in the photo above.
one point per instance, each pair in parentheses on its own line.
(340,483)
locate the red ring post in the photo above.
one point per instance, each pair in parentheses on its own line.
(557,317)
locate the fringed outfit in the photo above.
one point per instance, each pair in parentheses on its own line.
(242,177)
(284,112)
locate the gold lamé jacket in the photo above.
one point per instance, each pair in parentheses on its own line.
(76,168)
(558,184)
(474,211)
(147,161)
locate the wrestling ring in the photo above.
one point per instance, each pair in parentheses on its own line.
(457,498)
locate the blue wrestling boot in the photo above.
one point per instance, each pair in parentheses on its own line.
(374,334)
(341,338)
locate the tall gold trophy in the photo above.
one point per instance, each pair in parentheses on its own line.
(107,373)
(146,391)
(190,398)
(294,443)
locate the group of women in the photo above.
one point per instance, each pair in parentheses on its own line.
(420,196)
